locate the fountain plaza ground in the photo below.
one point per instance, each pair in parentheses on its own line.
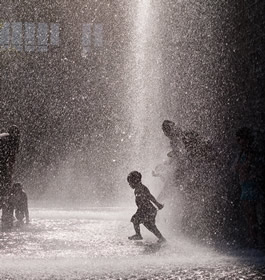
(92,244)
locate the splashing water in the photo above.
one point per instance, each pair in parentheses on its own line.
(150,105)
(91,243)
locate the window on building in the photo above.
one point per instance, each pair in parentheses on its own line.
(92,37)
(4,34)
(29,36)
(54,34)
(98,35)
(16,36)
(86,38)
(42,37)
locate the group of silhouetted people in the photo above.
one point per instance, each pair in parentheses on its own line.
(201,163)
(196,150)
(195,161)
(190,155)
(13,199)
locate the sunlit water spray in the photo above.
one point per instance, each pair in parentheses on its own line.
(149,104)
(92,243)
(145,90)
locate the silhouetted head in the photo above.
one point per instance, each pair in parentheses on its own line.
(134,178)
(17,187)
(13,131)
(190,136)
(168,128)
(244,136)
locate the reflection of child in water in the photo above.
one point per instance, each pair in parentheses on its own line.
(146,211)
(19,201)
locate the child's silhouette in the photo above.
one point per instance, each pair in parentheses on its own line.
(146,211)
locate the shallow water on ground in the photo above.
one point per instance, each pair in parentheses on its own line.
(92,244)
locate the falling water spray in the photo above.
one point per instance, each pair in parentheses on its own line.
(145,89)
(148,104)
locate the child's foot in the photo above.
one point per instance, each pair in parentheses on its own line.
(135,237)
(161,240)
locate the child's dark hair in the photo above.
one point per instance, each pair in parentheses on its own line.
(134,177)
(167,125)
(13,130)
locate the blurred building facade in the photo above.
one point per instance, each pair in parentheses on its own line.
(59,60)
(63,71)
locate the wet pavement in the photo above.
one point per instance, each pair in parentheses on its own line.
(92,244)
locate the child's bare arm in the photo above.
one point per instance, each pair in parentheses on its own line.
(27,214)
(152,198)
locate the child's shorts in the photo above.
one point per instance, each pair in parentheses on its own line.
(144,216)
(19,215)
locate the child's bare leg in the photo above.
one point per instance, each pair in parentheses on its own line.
(152,227)
(137,228)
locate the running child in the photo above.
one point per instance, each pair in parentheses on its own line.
(146,211)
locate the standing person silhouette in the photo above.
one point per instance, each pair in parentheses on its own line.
(9,147)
